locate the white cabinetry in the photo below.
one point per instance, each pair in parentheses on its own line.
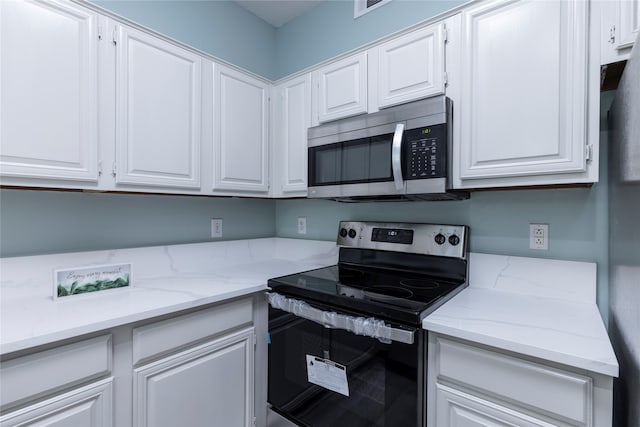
(620,28)
(522,102)
(88,406)
(240,128)
(407,68)
(55,381)
(192,369)
(48,91)
(292,118)
(481,386)
(211,384)
(196,369)
(340,88)
(158,112)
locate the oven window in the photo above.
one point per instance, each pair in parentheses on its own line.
(386,381)
(352,162)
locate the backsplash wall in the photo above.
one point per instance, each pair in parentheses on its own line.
(40,222)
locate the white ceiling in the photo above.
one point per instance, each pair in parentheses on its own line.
(277,12)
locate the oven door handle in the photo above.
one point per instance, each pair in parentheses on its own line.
(396,156)
(367,326)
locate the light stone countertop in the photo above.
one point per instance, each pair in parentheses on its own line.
(536,307)
(165,279)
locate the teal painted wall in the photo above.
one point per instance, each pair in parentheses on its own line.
(220,28)
(329,29)
(39,222)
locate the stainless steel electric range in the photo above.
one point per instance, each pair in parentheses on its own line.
(346,346)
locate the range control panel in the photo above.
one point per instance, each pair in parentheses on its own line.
(426,152)
(427,239)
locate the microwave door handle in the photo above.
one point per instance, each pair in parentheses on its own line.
(396,156)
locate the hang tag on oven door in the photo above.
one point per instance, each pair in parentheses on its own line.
(327,374)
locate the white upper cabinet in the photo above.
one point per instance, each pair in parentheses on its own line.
(340,88)
(48,91)
(522,107)
(289,147)
(620,29)
(159,115)
(240,129)
(408,68)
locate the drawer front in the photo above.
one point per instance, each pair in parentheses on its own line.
(162,337)
(533,385)
(29,377)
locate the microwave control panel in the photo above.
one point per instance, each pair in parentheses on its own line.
(426,152)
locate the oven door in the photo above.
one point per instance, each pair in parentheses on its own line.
(383,384)
(358,163)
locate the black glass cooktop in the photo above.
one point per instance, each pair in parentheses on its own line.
(395,295)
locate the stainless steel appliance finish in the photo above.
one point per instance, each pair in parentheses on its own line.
(360,320)
(428,239)
(399,153)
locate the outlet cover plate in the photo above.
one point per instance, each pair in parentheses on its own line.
(216,228)
(302,225)
(539,236)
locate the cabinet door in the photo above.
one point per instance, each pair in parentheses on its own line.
(48,90)
(211,384)
(456,408)
(240,132)
(410,67)
(523,102)
(293,116)
(340,88)
(158,112)
(629,23)
(89,406)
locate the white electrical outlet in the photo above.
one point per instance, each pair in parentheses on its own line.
(302,225)
(539,236)
(216,227)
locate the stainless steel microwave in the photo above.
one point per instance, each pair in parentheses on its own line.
(399,153)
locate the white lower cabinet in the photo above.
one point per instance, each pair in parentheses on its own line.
(473,385)
(192,369)
(211,384)
(68,385)
(88,406)
(457,408)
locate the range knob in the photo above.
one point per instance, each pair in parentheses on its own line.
(343,232)
(440,239)
(352,233)
(454,240)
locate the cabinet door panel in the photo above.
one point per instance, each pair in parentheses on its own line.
(341,88)
(211,384)
(48,90)
(629,22)
(294,118)
(411,67)
(241,138)
(524,78)
(88,406)
(459,409)
(159,112)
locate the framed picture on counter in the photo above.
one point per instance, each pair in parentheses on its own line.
(88,279)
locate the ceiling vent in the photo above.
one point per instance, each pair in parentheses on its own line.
(360,7)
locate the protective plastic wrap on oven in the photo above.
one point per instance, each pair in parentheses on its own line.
(366,326)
